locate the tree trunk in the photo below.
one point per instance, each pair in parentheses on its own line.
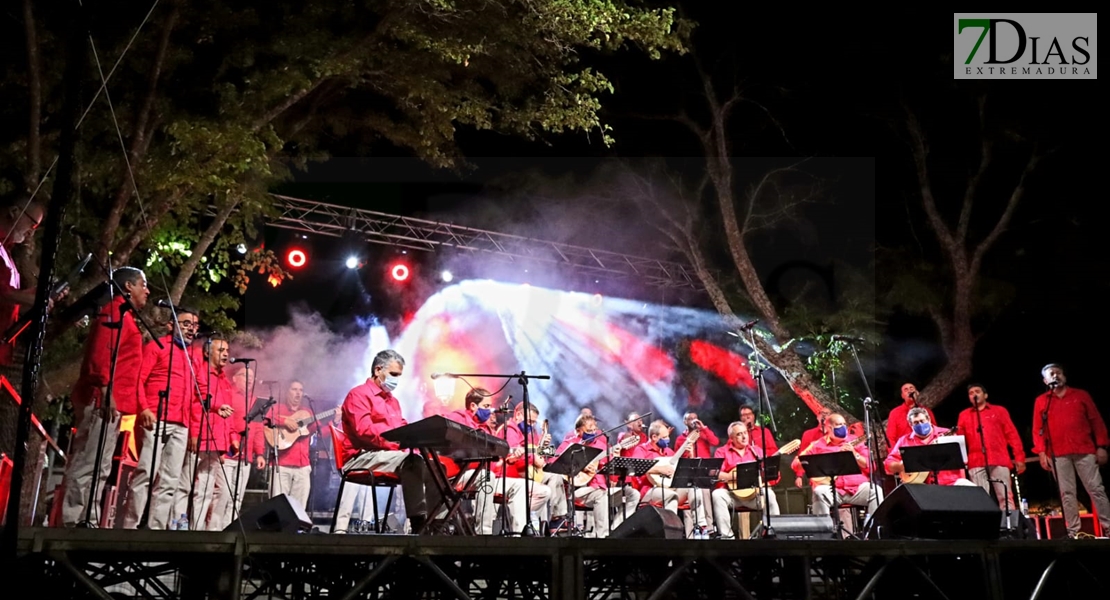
(190,265)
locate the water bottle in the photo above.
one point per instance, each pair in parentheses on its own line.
(183,523)
(173,525)
(1025,507)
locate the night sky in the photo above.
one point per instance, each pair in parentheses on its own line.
(835,83)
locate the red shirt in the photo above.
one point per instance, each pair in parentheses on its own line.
(703,446)
(183,385)
(9,312)
(757,442)
(735,457)
(911,439)
(296,455)
(515,437)
(998,431)
(598,442)
(97,365)
(649,451)
(897,425)
(845,484)
(643,440)
(368,412)
(216,433)
(1074,424)
(809,436)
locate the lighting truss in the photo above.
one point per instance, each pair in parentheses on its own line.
(310,216)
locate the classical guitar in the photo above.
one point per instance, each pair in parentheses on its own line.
(921,476)
(816,481)
(280,437)
(749,493)
(582,479)
(660,480)
(536,473)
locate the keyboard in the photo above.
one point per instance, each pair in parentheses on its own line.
(444,435)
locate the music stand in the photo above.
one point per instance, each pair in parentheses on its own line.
(748,476)
(933,458)
(832,465)
(569,464)
(623,467)
(696,474)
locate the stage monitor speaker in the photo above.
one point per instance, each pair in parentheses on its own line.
(799,527)
(937,512)
(651,522)
(276,514)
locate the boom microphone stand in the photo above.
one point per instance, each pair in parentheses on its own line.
(758,366)
(868,416)
(1046,433)
(204,431)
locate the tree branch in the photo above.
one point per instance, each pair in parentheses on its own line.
(1007,214)
(985,157)
(189,267)
(920,150)
(34,91)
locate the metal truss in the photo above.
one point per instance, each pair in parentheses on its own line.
(184,565)
(319,218)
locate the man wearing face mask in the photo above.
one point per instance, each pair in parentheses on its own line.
(923,434)
(658,447)
(476,415)
(1067,427)
(370,410)
(737,451)
(897,422)
(593,495)
(850,489)
(521,432)
(1000,437)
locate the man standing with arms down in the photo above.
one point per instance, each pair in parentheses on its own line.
(999,438)
(1068,428)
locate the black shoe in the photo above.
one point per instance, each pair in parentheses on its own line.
(417,522)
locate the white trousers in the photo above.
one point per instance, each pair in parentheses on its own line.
(724,500)
(670,499)
(512,491)
(78,478)
(823,498)
(226,504)
(167,471)
(598,502)
(294,482)
(1003,491)
(417,486)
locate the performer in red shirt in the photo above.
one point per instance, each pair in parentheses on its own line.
(236,462)
(897,422)
(17,224)
(174,425)
(520,433)
(809,436)
(850,489)
(370,410)
(923,433)
(293,466)
(113,326)
(1068,427)
(999,437)
(636,428)
(758,434)
(215,432)
(597,495)
(738,450)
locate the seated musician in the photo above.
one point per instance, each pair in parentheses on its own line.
(593,495)
(521,432)
(370,410)
(703,448)
(738,450)
(850,489)
(658,447)
(760,436)
(923,433)
(636,428)
(488,484)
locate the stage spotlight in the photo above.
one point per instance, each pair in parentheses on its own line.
(446,276)
(241,248)
(352,262)
(399,272)
(296,258)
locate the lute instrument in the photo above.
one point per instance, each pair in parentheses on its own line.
(535,473)
(749,493)
(664,481)
(815,481)
(583,479)
(921,476)
(279,436)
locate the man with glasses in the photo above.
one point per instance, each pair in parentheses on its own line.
(174,363)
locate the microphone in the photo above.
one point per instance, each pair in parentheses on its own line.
(849,339)
(164,303)
(438,375)
(263,381)
(201,334)
(1053,384)
(749,326)
(240,360)
(501,410)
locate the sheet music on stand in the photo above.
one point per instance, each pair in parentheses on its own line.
(697,472)
(830,464)
(571,462)
(934,458)
(623,466)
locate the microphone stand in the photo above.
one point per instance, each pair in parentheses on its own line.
(1051,394)
(868,418)
(159,425)
(203,428)
(523,379)
(761,390)
(987,464)
(312,457)
(623,477)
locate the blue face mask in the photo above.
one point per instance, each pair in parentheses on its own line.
(840,431)
(923,429)
(663,443)
(390,383)
(483,414)
(589,437)
(525,428)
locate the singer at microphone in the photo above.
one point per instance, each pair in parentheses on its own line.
(241,360)
(897,425)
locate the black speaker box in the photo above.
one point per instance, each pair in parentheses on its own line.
(276,514)
(937,512)
(651,522)
(800,527)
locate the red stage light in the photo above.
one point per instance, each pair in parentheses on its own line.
(399,272)
(296,258)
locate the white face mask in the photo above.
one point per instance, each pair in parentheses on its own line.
(390,382)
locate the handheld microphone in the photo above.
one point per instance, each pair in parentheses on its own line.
(241,360)
(749,326)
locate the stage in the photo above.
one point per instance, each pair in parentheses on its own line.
(84,563)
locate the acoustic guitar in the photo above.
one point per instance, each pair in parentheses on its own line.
(921,476)
(582,479)
(816,481)
(660,480)
(281,438)
(749,493)
(536,473)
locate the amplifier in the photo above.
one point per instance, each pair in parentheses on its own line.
(1057,529)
